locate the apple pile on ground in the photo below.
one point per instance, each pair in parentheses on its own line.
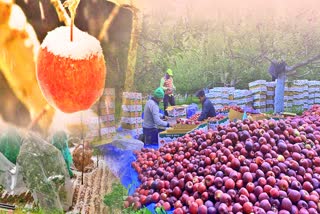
(228,108)
(264,166)
(193,120)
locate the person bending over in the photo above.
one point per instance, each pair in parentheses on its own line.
(152,118)
(207,107)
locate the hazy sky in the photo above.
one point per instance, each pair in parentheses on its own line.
(209,8)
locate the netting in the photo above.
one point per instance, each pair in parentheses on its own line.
(10,178)
(5,167)
(10,143)
(60,141)
(44,172)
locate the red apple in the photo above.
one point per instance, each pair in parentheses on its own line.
(71,74)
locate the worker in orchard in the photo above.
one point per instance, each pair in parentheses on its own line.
(167,85)
(207,107)
(153,120)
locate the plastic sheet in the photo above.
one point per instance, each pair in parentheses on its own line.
(119,162)
(10,143)
(5,167)
(127,144)
(44,171)
(191,110)
(60,141)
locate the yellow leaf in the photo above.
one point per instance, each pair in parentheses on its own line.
(18,48)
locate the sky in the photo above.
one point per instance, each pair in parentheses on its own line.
(210,8)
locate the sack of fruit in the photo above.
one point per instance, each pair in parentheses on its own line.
(45,174)
(10,143)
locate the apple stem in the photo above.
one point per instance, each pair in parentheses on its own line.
(71,30)
(72,6)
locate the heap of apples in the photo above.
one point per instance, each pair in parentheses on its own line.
(216,118)
(264,166)
(227,109)
(193,120)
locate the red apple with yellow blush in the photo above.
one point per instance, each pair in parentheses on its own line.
(71,74)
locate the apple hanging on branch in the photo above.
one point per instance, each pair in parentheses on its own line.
(71,69)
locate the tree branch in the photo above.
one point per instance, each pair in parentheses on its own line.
(302,75)
(107,23)
(267,58)
(303,63)
(62,13)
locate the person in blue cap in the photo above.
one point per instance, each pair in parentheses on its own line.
(168,87)
(207,107)
(152,118)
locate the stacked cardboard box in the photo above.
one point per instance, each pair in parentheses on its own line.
(103,125)
(317,97)
(241,98)
(289,91)
(131,113)
(259,94)
(219,96)
(232,101)
(177,111)
(271,86)
(300,94)
(314,92)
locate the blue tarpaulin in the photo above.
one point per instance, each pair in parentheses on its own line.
(119,162)
(191,110)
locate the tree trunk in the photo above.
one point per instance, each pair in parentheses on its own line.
(133,47)
(279,93)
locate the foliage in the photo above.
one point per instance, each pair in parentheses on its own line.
(44,171)
(115,201)
(60,141)
(116,197)
(295,110)
(228,50)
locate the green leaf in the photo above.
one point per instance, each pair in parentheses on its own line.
(160,210)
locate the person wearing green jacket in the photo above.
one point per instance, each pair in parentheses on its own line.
(166,83)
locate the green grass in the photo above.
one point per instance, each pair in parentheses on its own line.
(295,110)
(115,201)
